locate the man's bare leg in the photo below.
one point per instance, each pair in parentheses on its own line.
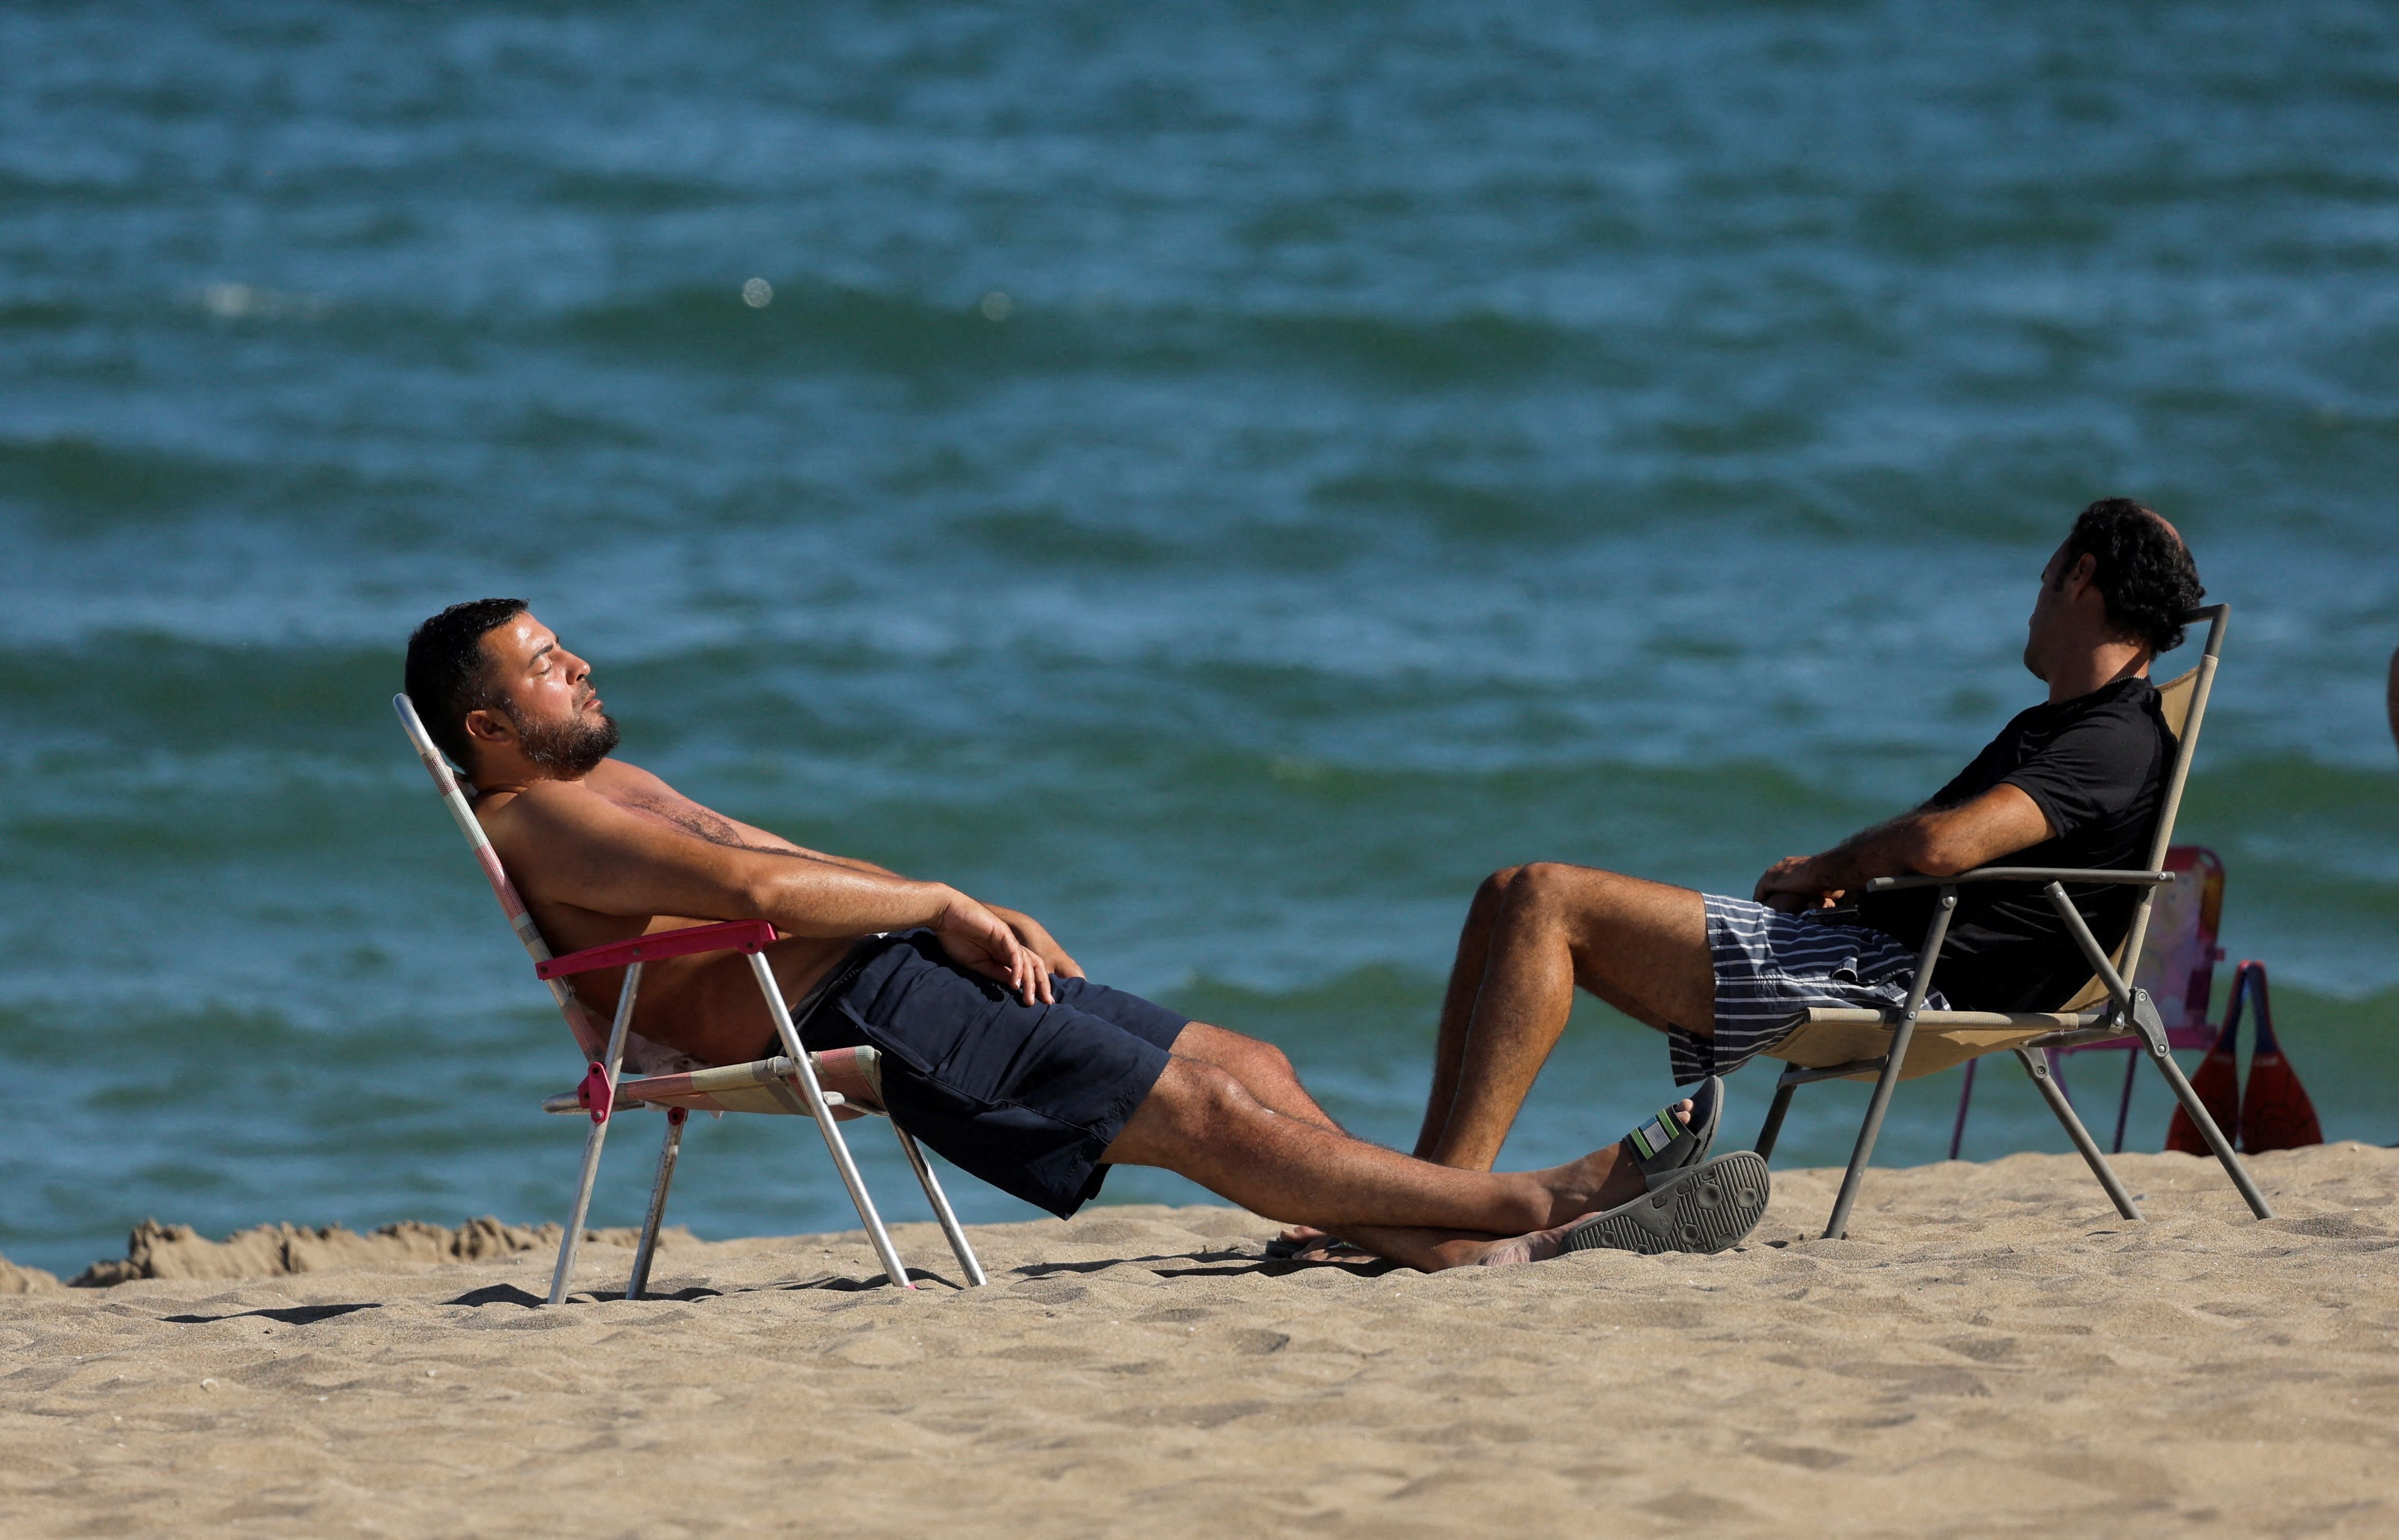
(1434,1249)
(1531,937)
(1261,1068)
(1200,1122)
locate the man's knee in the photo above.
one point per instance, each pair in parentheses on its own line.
(1247,1056)
(1549,890)
(1491,899)
(1268,1060)
(1193,1095)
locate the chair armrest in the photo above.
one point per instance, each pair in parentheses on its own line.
(2019,874)
(726,935)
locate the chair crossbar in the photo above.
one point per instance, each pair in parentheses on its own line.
(2022,873)
(724,935)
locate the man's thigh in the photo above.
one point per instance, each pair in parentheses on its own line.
(1640,945)
(1024,1096)
(1145,1020)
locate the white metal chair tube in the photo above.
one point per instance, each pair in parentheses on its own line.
(835,1145)
(648,1250)
(568,1242)
(950,1227)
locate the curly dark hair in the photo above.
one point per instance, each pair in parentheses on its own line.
(2145,572)
(449,672)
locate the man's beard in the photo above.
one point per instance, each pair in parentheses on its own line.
(570,748)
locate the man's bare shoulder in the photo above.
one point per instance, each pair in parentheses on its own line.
(549,807)
(638,791)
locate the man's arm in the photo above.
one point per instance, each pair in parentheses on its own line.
(569,845)
(628,778)
(711,825)
(1929,841)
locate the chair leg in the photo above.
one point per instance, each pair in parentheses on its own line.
(1868,1131)
(572,1241)
(813,1103)
(604,1074)
(1902,1035)
(2124,1102)
(1772,1129)
(941,1210)
(2162,1056)
(648,1250)
(2044,1079)
(1965,1100)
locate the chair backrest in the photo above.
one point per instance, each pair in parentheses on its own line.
(2183,701)
(590,1034)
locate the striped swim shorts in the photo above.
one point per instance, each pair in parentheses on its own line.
(1772,967)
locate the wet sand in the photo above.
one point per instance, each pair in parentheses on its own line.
(1992,1352)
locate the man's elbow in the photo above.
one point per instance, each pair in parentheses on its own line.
(1938,854)
(757,900)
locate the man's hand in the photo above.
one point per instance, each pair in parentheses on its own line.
(1793,885)
(1039,942)
(979,939)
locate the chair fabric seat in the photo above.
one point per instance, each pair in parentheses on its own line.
(852,1079)
(1943,1039)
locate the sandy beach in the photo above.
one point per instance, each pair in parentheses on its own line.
(1993,1352)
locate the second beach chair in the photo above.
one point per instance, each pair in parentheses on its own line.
(1904,1043)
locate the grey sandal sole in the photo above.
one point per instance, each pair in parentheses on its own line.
(1710,1209)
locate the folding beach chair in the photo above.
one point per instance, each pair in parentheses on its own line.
(2177,968)
(1888,1047)
(794,1082)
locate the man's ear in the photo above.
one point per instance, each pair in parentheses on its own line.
(490,727)
(2076,579)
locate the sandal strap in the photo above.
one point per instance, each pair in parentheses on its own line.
(1658,1135)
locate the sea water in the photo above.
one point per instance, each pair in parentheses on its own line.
(1223,478)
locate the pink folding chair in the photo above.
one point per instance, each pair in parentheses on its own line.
(829,1087)
(2177,967)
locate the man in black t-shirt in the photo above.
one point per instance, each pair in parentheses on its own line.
(2073,781)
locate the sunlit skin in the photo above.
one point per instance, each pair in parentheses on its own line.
(614,852)
(1535,933)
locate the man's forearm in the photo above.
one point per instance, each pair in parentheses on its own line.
(1895,848)
(838,900)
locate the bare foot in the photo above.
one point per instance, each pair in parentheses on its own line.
(1539,1246)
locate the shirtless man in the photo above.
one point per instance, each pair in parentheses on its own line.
(997,1051)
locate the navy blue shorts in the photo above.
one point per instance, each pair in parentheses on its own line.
(1025,1097)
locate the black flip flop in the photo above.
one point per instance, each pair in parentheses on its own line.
(1666,1147)
(1707,1208)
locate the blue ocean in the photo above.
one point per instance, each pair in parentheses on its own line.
(1221,478)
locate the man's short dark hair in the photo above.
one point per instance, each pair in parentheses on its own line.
(449,672)
(2144,571)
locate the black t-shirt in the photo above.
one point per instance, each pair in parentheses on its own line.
(2096,766)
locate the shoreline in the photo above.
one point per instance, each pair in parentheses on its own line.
(1992,1349)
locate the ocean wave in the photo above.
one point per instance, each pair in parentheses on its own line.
(85,479)
(810,322)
